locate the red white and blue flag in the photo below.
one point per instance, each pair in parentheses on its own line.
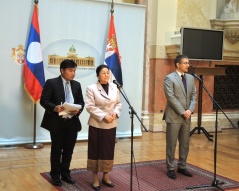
(33,69)
(112,57)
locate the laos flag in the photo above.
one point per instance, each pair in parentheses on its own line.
(33,70)
(112,57)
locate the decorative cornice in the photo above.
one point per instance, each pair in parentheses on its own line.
(228,55)
(172,50)
(230,27)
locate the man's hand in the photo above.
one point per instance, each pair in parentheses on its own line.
(187,114)
(59,108)
(74,112)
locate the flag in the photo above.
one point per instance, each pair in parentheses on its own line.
(112,57)
(33,69)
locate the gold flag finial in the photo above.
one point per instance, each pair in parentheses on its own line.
(112,7)
(36,4)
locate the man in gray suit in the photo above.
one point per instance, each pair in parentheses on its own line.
(180,91)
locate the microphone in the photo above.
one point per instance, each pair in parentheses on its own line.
(117,83)
(196,76)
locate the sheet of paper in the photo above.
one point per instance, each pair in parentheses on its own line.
(68,107)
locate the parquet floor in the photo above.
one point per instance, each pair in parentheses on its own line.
(20,168)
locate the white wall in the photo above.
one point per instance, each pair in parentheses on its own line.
(82,21)
(163,26)
(163,22)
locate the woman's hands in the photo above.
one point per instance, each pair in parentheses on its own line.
(110,118)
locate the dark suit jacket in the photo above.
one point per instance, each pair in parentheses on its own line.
(52,95)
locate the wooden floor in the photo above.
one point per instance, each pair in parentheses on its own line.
(20,168)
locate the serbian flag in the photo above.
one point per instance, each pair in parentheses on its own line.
(112,57)
(33,70)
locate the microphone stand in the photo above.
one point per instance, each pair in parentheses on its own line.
(199,128)
(132,113)
(215,182)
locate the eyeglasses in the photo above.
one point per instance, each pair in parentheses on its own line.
(185,63)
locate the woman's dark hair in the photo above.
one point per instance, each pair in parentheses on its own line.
(100,67)
(68,64)
(178,59)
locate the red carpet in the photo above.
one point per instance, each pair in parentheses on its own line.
(151,177)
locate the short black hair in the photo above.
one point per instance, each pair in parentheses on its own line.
(68,64)
(100,67)
(178,59)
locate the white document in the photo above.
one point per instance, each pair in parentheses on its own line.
(68,107)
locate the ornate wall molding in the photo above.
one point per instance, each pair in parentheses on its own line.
(230,27)
(228,55)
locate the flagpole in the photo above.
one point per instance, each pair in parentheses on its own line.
(34,145)
(111,66)
(132,116)
(112,7)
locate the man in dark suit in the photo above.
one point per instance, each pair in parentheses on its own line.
(180,92)
(63,129)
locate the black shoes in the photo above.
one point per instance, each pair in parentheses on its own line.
(171,174)
(111,185)
(108,184)
(184,172)
(95,187)
(56,182)
(68,179)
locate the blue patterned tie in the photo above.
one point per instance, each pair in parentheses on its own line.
(67,92)
(184,83)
